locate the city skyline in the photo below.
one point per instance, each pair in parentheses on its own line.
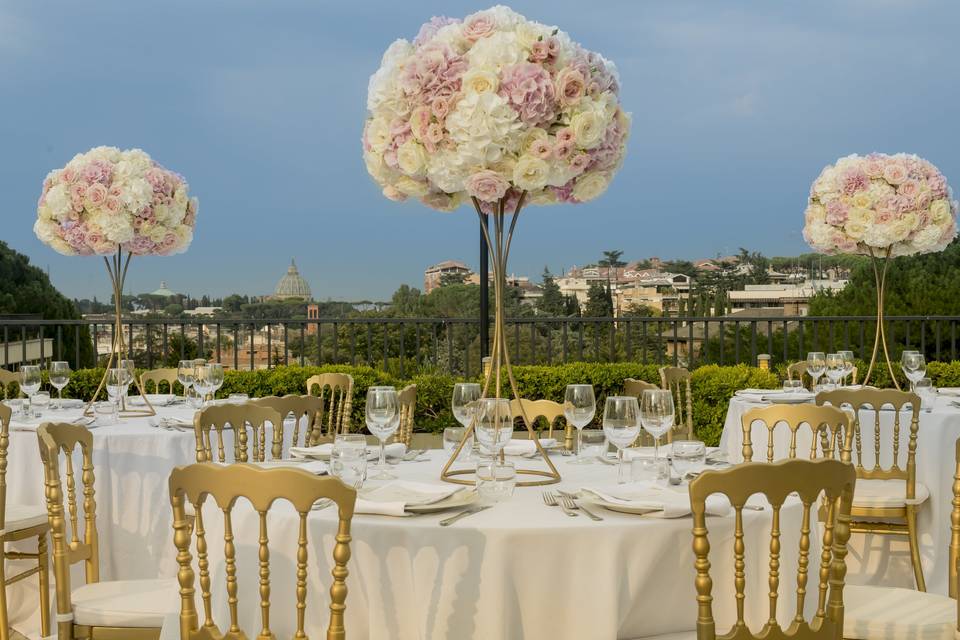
(736,108)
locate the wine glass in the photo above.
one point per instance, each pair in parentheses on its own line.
(116,383)
(914,366)
(59,378)
(383,418)
(847,363)
(494,424)
(657,415)
(215,377)
(465,396)
(621,425)
(816,365)
(836,369)
(185,375)
(30,380)
(579,407)
(201,382)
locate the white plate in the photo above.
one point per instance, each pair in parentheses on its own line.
(459,499)
(789,398)
(156,399)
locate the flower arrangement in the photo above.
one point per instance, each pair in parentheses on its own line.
(491,107)
(899,203)
(106,200)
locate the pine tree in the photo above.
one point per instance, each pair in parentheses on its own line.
(551,303)
(599,304)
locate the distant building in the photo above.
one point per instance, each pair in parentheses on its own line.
(433,275)
(163,291)
(292,286)
(792,299)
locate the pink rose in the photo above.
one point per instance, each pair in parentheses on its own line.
(440,107)
(923,200)
(884,217)
(894,173)
(873,167)
(434,133)
(580,162)
(541,149)
(486,185)
(479,26)
(570,86)
(529,90)
(565,135)
(97,171)
(910,188)
(77,192)
(553,47)
(511,200)
(96,195)
(539,52)
(113,204)
(392,193)
(563,150)
(69,175)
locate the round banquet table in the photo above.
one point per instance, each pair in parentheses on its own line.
(518,570)
(882,559)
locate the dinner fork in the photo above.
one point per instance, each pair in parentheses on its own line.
(570,503)
(550,499)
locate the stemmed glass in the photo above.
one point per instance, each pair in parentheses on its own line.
(214,377)
(847,363)
(621,425)
(30,380)
(202,382)
(657,415)
(914,367)
(579,407)
(816,365)
(116,383)
(185,375)
(59,378)
(494,424)
(383,418)
(464,404)
(836,369)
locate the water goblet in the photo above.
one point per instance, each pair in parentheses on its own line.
(657,416)
(914,366)
(30,380)
(215,377)
(816,365)
(621,425)
(848,364)
(382,418)
(116,384)
(835,368)
(59,378)
(464,405)
(185,375)
(579,407)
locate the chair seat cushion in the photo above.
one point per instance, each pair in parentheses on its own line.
(23,516)
(125,603)
(887,494)
(890,613)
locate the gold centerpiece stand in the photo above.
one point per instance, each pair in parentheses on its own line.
(880,265)
(499,247)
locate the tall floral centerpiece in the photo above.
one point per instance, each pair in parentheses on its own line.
(880,206)
(501,112)
(115,204)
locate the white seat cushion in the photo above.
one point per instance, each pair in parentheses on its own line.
(890,613)
(887,493)
(23,516)
(125,603)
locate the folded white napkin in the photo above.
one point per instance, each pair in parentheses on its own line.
(524,447)
(395,450)
(663,502)
(392,499)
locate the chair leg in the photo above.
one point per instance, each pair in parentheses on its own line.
(4,618)
(915,547)
(44,577)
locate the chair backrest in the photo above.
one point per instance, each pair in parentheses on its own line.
(876,399)
(677,381)
(408,409)
(798,371)
(156,376)
(262,488)
(954,551)
(5,414)
(68,546)
(308,409)
(829,429)
(8,378)
(549,410)
(337,391)
(236,418)
(809,479)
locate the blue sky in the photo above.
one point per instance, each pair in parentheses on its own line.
(736,107)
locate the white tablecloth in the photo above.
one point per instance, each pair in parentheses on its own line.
(875,559)
(518,570)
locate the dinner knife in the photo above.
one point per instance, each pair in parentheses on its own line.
(463,514)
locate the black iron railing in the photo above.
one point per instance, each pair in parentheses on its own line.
(406,345)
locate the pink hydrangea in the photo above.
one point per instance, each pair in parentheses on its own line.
(429,29)
(434,72)
(529,89)
(836,212)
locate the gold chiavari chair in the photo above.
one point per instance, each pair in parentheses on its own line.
(892,493)
(156,376)
(883,613)
(549,410)
(677,381)
(408,409)
(8,378)
(21,522)
(798,371)
(114,610)
(829,428)
(250,447)
(812,481)
(337,391)
(303,408)
(262,488)
(635,388)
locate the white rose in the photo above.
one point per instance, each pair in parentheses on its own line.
(861,216)
(531,173)
(939,211)
(826,182)
(542,197)
(58,201)
(879,235)
(926,238)
(480,81)
(530,32)
(46,230)
(855,230)
(409,186)
(378,134)
(377,168)
(412,158)
(815,213)
(589,186)
(588,129)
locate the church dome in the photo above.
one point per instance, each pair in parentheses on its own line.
(163,291)
(292,285)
